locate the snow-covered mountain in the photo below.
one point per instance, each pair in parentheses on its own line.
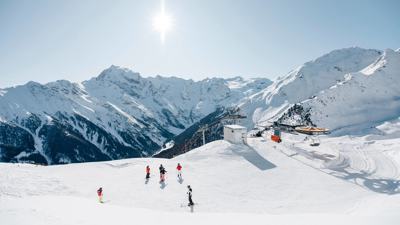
(363,100)
(120,114)
(116,115)
(343,89)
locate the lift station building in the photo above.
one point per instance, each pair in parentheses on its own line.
(235,134)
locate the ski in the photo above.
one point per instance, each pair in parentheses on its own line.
(187,205)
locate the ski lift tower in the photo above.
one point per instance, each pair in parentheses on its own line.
(235,116)
(203,131)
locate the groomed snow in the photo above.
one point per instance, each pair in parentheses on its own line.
(287,183)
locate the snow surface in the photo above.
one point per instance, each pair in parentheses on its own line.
(346,180)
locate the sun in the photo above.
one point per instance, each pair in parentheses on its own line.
(162,22)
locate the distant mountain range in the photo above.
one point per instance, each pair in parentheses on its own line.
(120,114)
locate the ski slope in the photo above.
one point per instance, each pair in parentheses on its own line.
(283,183)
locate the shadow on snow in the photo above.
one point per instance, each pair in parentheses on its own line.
(384,186)
(252,156)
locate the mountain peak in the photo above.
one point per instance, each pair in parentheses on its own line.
(344,55)
(33,84)
(117,73)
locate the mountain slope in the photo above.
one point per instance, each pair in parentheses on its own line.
(305,82)
(362,100)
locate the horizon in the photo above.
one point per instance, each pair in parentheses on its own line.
(141,75)
(45,41)
(174,76)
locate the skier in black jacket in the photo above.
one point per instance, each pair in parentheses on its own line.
(189,193)
(162,173)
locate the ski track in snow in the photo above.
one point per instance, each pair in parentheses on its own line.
(357,163)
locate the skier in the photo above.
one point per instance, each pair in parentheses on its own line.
(179,168)
(189,193)
(162,173)
(100,194)
(147,172)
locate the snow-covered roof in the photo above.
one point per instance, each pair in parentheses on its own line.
(235,127)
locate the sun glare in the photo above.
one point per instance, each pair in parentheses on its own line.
(162,22)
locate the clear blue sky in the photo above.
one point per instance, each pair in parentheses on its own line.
(75,40)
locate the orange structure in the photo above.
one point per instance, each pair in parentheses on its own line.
(276,138)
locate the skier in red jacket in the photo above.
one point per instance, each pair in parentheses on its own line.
(100,194)
(147,172)
(179,170)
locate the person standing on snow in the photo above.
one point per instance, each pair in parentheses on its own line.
(189,193)
(100,194)
(147,172)
(162,173)
(179,168)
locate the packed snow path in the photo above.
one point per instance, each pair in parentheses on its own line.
(264,177)
(371,164)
